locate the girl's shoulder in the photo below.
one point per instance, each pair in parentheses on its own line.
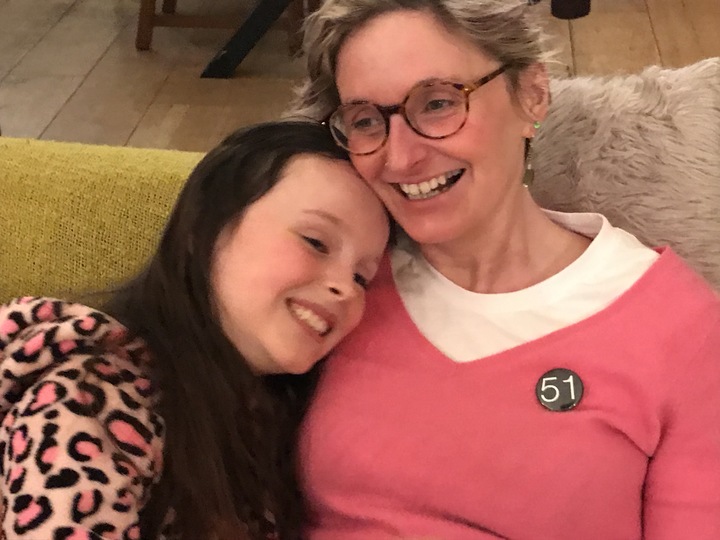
(73,346)
(77,417)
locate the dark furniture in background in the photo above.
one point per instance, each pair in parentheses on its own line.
(263,16)
(249,31)
(569,9)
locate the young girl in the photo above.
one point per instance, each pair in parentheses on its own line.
(168,415)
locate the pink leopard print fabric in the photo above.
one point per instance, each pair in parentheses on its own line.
(80,446)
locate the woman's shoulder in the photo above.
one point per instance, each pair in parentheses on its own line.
(673,278)
(672,300)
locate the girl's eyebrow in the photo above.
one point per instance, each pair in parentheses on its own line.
(325,215)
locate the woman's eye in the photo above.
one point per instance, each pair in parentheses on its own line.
(365,123)
(361,280)
(435,105)
(317,245)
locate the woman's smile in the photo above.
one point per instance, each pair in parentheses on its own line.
(429,188)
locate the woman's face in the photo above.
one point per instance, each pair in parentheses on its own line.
(289,278)
(482,163)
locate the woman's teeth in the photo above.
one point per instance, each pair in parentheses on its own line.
(430,188)
(312,319)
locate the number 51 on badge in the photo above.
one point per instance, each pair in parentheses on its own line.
(559,390)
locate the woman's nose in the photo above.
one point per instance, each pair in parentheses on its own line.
(403,148)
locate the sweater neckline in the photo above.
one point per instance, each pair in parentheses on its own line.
(666,263)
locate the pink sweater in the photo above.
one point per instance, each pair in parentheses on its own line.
(402,442)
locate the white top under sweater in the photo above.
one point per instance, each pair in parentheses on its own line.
(465,325)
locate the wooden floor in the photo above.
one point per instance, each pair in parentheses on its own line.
(69,70)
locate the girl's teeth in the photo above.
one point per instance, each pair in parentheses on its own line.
(315,322)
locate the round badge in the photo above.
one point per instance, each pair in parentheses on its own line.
(559,390)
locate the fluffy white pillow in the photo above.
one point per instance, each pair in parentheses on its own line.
(642,149)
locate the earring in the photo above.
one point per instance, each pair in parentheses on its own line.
(536,124)
(529,175)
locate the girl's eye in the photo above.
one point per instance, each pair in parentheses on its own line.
(317,245)
(361,280)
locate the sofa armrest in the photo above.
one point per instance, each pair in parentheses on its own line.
(80,218)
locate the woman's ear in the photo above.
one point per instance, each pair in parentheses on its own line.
(534,95)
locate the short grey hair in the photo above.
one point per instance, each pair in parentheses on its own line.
(507,30)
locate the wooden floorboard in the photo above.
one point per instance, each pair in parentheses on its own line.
(69,69)
(616,37)
(685,31)
(23,27)
(41,84)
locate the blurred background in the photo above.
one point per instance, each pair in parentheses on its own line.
(69,69)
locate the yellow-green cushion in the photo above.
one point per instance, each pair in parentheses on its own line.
(79,218)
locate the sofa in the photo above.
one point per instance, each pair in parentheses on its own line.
(80,218)
(643,149)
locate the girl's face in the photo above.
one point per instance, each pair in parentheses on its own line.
(289,278)
(480,166)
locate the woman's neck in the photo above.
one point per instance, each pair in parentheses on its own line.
(512,251)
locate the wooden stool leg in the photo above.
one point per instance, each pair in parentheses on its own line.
(169,6)
(261,18)
(146,22)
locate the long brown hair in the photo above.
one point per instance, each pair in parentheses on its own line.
(230,435)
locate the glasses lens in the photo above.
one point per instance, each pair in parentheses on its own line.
(358,127)
(436,110)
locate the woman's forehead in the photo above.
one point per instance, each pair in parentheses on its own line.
(393,52)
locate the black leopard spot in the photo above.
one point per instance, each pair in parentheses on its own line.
(128,433)
(96,475)
(128,376)
(17,479)
(124,466)
(101,530)
(88,401)
(21,444)
(34,346)
(17,318)
(125,501)
(44,395)
(83,447)
(16,390)
(63,533)
(40,510)
(129,402)
(85,504)
(64,479)
(72,374)
(46,311)
(51,414)
(158,426)
(47,451)
(89,324)
(104,369)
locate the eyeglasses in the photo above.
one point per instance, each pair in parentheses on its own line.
(434,110)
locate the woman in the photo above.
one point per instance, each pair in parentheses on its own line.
(524,373)
(168,415)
